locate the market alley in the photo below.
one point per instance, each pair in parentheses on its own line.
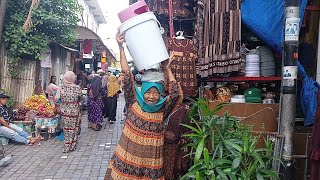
(47,161)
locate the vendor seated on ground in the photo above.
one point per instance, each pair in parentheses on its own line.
(9,130)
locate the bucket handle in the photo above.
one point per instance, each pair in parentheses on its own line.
(161,28)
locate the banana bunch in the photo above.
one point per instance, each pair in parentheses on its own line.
(36,102)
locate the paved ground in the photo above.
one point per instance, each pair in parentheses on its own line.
(47,161)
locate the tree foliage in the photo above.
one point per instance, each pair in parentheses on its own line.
(53,22)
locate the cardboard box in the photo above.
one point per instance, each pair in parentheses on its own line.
(262,117)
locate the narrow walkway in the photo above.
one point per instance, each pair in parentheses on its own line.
(89,161)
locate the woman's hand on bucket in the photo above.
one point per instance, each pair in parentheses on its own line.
(120,38)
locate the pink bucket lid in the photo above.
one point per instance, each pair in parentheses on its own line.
(133,10)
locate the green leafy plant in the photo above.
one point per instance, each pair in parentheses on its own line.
(53,22)
(222,148)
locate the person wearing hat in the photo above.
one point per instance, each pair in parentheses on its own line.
(100,72)
(9,130)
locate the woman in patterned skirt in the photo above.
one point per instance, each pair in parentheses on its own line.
(70,95)
(139,154)
(95,104)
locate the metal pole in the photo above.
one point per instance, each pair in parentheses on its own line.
(289,83)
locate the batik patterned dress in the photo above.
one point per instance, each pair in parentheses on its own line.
(70,111)
(139,153)
(95,106)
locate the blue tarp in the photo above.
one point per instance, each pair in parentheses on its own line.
(308,96)
(266,19)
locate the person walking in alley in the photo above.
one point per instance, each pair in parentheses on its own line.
(52,89)
(9,130)
(104,82)
(70,96)
(95,104)
(139,153)
(113,89)
(82,78)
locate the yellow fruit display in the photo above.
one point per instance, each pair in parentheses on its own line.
(40,104)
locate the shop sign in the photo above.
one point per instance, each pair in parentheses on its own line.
(292,29)
(290,72)
(46,61)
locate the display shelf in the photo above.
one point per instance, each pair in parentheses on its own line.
(220,79)
(22,122)
(313,8)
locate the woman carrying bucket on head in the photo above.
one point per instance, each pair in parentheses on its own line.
(139,153)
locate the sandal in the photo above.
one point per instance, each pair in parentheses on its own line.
(98,127)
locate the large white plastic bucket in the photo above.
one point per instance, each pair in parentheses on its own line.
(144,40)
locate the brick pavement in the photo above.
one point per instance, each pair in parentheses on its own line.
(89,161)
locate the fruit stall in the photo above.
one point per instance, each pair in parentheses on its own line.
(38,116)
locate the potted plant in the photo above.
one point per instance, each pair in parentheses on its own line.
(222,148)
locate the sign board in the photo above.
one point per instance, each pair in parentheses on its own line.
(292,29)
(290,72)
(46,61)
(68,60)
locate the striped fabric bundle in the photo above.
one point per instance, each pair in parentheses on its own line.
(219,31)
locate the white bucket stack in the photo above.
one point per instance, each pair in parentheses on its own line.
(143,37)
(267,61)
(252,65)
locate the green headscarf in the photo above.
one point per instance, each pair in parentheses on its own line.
(144,88)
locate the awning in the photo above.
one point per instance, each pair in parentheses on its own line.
(84,33)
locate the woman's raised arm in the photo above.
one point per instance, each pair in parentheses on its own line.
(128,81)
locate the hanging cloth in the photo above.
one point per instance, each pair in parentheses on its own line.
(221,38)
(87,47)
(184,65)
(314,146)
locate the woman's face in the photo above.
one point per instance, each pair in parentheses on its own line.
(152,96)
(54,79)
